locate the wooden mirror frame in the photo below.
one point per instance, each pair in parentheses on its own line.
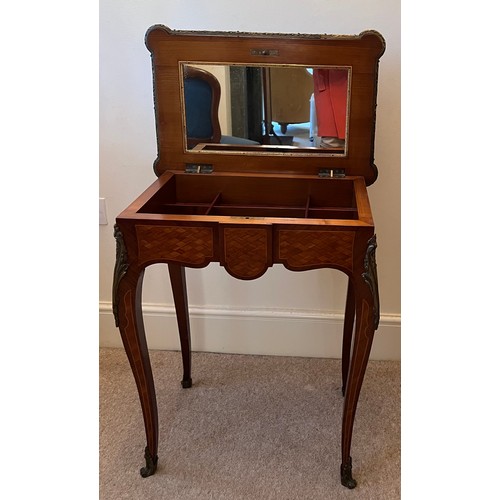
(171,49)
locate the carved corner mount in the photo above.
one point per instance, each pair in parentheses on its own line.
(121,267)
(370,277)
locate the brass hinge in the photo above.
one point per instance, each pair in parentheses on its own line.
(332,172)
(199,168)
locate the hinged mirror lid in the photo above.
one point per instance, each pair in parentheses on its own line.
(249,102)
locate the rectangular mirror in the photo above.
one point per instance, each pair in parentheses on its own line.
(265,109)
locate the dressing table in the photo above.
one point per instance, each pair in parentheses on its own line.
(252,205)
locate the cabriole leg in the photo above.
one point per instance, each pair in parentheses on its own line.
(362,344)
(127,308)
(367,317)
(179,290)
(347,336)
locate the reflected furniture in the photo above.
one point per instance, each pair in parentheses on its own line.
(249,208)
(201,97)
(291,91)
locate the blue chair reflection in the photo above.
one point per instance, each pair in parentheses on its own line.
(202,97)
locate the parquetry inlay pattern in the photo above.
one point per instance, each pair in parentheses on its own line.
(183,244)
(245,251)
(302,249)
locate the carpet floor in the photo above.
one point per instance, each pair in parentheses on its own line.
(251,427)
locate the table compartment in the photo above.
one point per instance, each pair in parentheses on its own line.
(255,196)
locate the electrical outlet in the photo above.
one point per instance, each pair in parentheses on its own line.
(103,219)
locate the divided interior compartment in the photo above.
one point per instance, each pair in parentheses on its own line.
(255,196)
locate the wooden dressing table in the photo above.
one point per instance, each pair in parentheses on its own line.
(250,207)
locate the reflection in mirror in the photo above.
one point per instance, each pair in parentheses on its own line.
(268,109)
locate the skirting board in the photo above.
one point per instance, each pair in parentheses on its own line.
(259,331)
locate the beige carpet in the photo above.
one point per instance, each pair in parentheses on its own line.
(251,427)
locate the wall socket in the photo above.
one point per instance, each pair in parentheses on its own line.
(103,219)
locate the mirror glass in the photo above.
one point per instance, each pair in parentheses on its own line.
(266,109)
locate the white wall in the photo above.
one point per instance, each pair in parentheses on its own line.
(301,309)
